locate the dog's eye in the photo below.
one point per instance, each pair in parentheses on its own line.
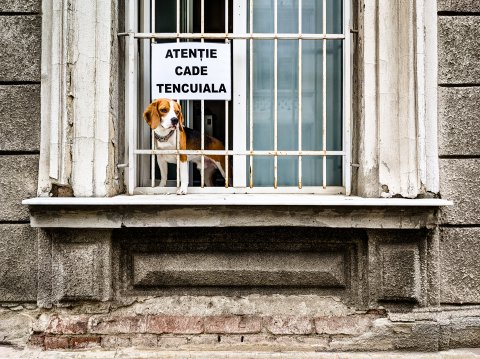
(163,110)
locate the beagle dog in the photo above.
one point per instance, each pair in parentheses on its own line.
(165,118)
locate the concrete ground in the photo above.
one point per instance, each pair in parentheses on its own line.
(6,352)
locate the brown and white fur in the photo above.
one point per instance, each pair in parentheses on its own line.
(164,116)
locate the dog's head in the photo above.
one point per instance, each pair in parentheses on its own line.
(165,113)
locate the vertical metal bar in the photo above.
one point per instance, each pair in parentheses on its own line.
(152,160)
(178,19)
(240,62)
(152,16)
(275,94)
(324,95)
(131,100)
(202,111)
(346,98)
(251,96)
(300,92)
(226,106)
(152,165)
(177,142)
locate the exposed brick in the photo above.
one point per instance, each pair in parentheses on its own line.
(288,325)
(115,341)
(56,342)
(74,324)
(37,340)
(233,324)
(102,324)
(172,342)
(159,324)
(144,340)
(350,325)
(84,342)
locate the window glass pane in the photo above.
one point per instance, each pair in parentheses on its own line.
(312,16)
(312,171)
(312,86)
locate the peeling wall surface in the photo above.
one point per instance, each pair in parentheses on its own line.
(256,291)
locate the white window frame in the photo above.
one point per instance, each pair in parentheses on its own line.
(81,148)
(240,36)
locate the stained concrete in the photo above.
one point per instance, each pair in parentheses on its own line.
(20,117)
(460,182)
(18,181)
(18,263)
(20,43)
(27,6)
(458,44)
(459,265)
(458,5)
(459,121)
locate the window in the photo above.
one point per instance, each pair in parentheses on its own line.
(393,144)
(287,126)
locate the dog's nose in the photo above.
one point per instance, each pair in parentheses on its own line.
(174,121)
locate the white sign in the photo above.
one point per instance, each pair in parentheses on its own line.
(191,71)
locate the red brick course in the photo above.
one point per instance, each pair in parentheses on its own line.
(57,342)
(37,340)
(233,324)
(160,324)
(282,325)
(350,325)
(105,324)
(167,331)
(73,324)
(84,342)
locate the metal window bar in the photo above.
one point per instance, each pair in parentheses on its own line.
(177,142)
(275,94)
(300,93)
(202,102)
(324,97)
(250,172)
(152,160)
(226,107)
(131,109)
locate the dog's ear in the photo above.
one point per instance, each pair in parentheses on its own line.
(180,118)
(151,115)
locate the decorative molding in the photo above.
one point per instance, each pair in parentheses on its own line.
(397,134)
(240,269)
(79,97)
(74,266)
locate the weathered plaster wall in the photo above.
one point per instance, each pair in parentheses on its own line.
(20,29)
(459,148)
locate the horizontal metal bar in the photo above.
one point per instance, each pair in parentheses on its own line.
(224,36)
(240,153)
(212,192)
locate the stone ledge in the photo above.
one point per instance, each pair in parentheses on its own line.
(234,211)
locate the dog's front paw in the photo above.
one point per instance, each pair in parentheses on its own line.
(181,191)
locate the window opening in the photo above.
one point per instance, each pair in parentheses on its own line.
(286,128)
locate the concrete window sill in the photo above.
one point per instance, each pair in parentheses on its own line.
(233,210)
